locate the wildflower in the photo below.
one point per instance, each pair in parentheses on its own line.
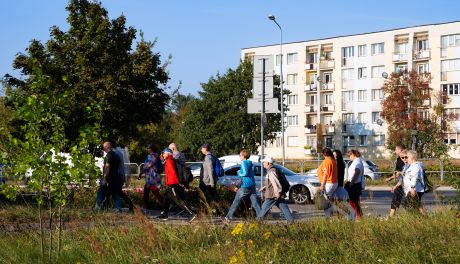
(267,235)
(233,260)
(238,230)
(252,226)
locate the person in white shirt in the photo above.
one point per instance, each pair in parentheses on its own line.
(354,181)
(412,182)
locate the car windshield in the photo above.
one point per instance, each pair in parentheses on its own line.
(234,169)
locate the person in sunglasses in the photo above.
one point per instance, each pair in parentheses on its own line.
(398,190)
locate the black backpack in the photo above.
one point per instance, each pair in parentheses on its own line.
(428,186)
(184,173)
(285,186)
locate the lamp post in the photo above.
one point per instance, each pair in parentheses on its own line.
(272,18)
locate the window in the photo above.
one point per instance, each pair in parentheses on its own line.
(347,96)
(377,71)
(349,140)
(292,120)
(454,111)
(328,55)
(378,140)
(278,60)
(422,68)
(311,120)
(348,52)
(362,50)
(451,88)
(278,142)
(362,118)
(347,118)
(329,99)
(362,140)
(327,77)
(292,99)
(401,48)
(450,40)
(422,45)
(362,95)
(377,48)
(327,119)
(401,68)
(450,65)
(291,58)
(375,117)
(312,78)
(362,73)
(292,141)
(311,99)
(347,74)
(292,79)
(450,138)
(424,114)
(312,57)
(311,141)
(377,94)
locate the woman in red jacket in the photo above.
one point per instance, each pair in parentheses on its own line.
(174,188)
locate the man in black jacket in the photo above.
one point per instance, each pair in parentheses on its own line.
(398,193)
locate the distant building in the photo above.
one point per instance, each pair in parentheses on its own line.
(349,88)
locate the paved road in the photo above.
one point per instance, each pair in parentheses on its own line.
(375,201)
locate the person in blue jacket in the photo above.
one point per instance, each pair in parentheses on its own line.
(247,188)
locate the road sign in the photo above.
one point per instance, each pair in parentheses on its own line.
(255,106)
(258,66)
(257,87)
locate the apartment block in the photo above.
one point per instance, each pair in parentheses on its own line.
(336,85)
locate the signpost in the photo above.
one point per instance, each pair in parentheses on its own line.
(262,101)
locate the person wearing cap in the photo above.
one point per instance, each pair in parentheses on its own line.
(152,177)
(272,192)
(208,177)
(248,186)
(173,188)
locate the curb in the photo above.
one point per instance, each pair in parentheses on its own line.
(388,188)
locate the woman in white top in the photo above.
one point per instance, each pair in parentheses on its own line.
(412,181)
(355,177)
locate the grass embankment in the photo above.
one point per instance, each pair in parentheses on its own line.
(408,239)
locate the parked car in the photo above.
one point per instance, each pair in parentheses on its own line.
(370,169)
(303,187)
(231,160)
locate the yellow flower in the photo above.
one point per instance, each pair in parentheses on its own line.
(267,235)
(233,260)
(252,226)
(238,230)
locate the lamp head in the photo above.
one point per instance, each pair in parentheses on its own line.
(271,17)
(384,75)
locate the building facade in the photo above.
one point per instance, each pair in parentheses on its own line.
(336,84)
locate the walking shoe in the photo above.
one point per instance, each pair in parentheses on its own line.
(163,217)
(193,216)
(225,220)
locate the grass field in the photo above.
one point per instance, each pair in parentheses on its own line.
(407,239)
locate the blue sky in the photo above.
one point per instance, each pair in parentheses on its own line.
(205,37)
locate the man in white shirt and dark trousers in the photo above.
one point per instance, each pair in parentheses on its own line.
(273,194)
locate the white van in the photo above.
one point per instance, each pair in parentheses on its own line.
(231,160)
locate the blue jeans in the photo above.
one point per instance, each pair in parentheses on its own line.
(280,203)
(240,194)
(104,192)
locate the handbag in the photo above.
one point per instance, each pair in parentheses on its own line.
(321,201)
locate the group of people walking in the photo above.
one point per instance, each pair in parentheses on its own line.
(336,178)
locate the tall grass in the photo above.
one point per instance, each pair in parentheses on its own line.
(407,239)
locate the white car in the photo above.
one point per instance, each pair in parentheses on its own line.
(370,169)
(303,187)
(231,160)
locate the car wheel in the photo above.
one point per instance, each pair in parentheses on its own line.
(299,194)
(367,178)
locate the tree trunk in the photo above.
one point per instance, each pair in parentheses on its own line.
(60,230)
(42,235)
(50,206)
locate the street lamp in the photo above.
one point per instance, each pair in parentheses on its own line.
(272,18)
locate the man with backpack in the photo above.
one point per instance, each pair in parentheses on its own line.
(274,191)
(208,174)
(152,169)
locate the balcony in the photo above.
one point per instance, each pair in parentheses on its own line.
(398,57)
(327,86)
(310,129)
(310,108)
(310,87)
(327,64)
(327,108)
(311,66)
(422,54)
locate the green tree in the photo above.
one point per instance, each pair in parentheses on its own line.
(406,108)
(96,56)
(220,115)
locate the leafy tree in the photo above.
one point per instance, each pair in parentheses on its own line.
(95,56)
(220,115)
(406,110)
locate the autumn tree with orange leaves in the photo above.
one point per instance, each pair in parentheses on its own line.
(415,114)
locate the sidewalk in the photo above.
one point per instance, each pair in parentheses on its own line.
(388,188)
